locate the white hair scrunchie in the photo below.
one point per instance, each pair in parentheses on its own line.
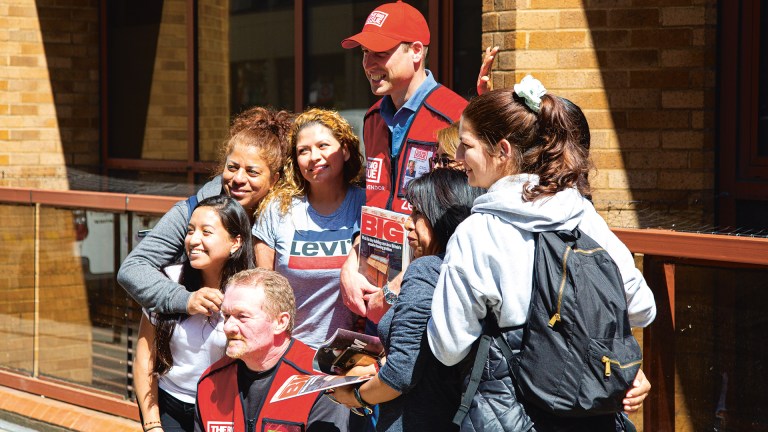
(531,90)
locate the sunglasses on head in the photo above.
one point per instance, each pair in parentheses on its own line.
(440,160)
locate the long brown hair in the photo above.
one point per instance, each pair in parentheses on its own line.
(554,143)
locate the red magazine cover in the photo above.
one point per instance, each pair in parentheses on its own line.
(384,248)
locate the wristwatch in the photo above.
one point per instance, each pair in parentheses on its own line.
(389,296)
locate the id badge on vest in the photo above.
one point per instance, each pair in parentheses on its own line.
(414,164)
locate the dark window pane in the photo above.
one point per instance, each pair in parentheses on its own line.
(467,31)
(261,54)
(147,79)
(762,112)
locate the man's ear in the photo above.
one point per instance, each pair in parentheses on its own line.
(282,321)
(417,51)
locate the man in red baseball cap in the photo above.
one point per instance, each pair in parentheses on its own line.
(402,126)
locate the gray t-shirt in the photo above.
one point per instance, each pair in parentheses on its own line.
(310,249)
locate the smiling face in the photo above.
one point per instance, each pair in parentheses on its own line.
(482,169)
(320,157)
(208,244)
(391,72)
(420,235)
(247,177)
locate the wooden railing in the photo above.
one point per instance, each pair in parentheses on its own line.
(663,250)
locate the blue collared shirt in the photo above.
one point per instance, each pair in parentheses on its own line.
(399,122)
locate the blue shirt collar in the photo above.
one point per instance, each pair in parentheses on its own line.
(387,107)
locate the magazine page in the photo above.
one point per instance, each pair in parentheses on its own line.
(384,248)
(298,385)
(345,350)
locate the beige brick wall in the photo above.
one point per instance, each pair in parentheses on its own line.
(165,137)
(49,102)
(213,79)
(645,78)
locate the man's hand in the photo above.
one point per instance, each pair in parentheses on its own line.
(484,78)
(205,301)
(639,391)
(354,286)
(377,307)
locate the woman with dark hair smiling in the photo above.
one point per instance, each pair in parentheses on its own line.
(173,350)
(416,392)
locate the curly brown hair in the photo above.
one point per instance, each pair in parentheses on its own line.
(293,184)
(265,129)
(554,143)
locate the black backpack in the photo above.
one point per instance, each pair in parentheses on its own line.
(578,357)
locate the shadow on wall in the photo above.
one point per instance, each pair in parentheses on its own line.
(657,65)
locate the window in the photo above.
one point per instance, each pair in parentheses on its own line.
(176,71)
(743,104)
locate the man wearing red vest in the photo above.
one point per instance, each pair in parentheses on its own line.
(401,127)
(233,394)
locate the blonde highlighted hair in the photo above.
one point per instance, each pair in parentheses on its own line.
(293,184)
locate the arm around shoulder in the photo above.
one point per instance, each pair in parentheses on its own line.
(141,274)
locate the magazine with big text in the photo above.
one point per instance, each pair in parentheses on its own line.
(384,248)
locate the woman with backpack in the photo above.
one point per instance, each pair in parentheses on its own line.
(173,350)
(530,149)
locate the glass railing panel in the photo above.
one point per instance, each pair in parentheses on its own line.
(84,331)
(720,351)
(17,278)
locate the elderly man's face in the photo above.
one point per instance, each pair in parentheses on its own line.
(250,331)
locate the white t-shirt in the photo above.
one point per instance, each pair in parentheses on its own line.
(197,342)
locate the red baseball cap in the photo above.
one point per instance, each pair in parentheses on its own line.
(389,25)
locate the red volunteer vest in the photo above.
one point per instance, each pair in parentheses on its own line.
(439,109)
(221,408)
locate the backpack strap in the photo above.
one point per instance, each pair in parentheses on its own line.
(474,379)
(191,204)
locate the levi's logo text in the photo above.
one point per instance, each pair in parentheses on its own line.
(373,170)
(381,227)
(320,250)
(376,18)
(220,426)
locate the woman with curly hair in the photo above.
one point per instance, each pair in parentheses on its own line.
(305,231)
(250,163)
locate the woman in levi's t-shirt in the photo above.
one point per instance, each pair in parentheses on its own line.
(173,350)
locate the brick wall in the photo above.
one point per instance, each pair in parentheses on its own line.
(644,74)
(49,115)
(213,79)
(165,137)
(49,102)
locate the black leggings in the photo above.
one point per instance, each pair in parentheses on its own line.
(175,415)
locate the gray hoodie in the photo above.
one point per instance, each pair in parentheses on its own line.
(141,274)
(489,264)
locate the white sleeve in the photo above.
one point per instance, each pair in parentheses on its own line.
(457,307)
